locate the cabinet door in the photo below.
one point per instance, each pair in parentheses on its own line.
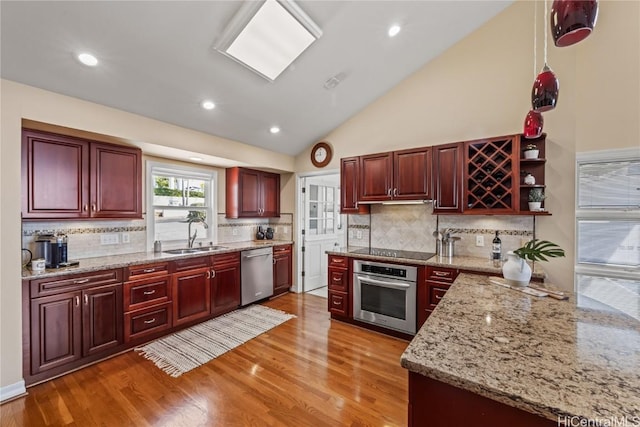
(412,174)
(349,181)
(56,332)
(281,271)
(376,175)
(270,187)
(448,178)
(191,295)
(55,176)
(225,288)
(102,318)
(116,182)
(249,193)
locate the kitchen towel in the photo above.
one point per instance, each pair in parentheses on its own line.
(185,350)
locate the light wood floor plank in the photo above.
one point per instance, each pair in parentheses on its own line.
(309,371)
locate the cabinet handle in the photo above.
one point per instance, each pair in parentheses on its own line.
(338,261)
(208,274)
(395,192)
(148,322)
(389,192)
(85,208)
(438,297)
(149,270)
(440,273)
(213,274)
(86,299)
(337,279)
(80,281)
(149,292)
(336,303)
(274,261)
(93,207)
(77,301)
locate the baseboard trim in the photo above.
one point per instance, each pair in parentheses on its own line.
(11,391)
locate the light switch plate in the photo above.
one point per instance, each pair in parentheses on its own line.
(479,240)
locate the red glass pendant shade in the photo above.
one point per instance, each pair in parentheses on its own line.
(533,124)
(544,94)
(572,20)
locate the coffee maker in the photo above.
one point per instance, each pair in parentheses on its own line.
(53,248)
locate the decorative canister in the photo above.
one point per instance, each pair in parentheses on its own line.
(516,271)
(529,179)
(38,264)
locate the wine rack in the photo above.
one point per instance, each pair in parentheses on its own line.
(490,175)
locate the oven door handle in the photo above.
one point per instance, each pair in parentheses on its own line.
(383,284)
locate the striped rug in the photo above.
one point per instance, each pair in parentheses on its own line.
(185,350)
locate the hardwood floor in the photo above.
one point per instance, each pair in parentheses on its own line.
(309,371)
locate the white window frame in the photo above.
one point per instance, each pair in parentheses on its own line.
(615,272)
(211,184)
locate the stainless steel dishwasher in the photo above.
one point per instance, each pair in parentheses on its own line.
(256,274)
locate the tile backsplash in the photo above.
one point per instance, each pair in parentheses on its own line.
(411,227)
(85,238)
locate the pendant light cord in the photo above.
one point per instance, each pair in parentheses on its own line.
(535,38)
(545,34)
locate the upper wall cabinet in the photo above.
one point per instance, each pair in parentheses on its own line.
(349,186)
(398,175)
(65,177)
(252,193)
(447,166)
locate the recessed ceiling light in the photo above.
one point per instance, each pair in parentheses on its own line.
(208,105)
(88,59)
(394,30)
(196,159)
(274,129)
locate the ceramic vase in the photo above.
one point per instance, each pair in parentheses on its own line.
(529,179)
(516,271)
(535,206)
(531,154)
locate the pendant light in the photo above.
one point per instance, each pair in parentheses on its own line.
(544,94)
(533,122)
(572,20)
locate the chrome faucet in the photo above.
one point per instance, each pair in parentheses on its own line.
(191,238)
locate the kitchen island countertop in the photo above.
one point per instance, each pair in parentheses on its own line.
(125,260)
(548,357)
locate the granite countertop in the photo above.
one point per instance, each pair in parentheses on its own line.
(475,264)
(125,260)
(545,356)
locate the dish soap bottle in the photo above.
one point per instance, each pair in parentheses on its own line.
(496,248)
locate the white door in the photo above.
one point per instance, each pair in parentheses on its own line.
(323,227)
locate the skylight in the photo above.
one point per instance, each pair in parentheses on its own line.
(269,39)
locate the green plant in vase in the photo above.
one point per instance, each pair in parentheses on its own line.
(536,197)
(517,272)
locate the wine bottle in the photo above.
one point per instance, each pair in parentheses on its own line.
(496,248)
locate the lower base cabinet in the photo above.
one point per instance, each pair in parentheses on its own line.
(282,274)
(225,283)
(102,318)
(191,295)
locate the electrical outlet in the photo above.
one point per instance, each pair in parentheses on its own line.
(479,240)
(126,238)
(234,231)
(285,230)
(359,234)
(109,239)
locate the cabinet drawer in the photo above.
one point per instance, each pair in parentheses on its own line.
(190,263)
(228,258)
(150,291)
(281,249)
(338,279)
(436,293)
(146,321)
(338,261)
(136,272)
(440,274)
(55,285)
(339,303)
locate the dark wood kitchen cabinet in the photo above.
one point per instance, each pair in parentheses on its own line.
(448,173)
(65,177)
(349,187)
(437,282)
(252,193)
(282,272)
(191,290)
(397,175)
(225,283)
(71,319)
(339,286)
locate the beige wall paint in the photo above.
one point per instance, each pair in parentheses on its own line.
(24,102)
(481,87)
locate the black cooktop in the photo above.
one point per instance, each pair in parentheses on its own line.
(394,253)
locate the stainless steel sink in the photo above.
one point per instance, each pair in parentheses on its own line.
(182,251)
(194,250)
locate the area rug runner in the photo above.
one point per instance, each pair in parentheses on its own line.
(185,350)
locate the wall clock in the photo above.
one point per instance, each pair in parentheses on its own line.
(321,154)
